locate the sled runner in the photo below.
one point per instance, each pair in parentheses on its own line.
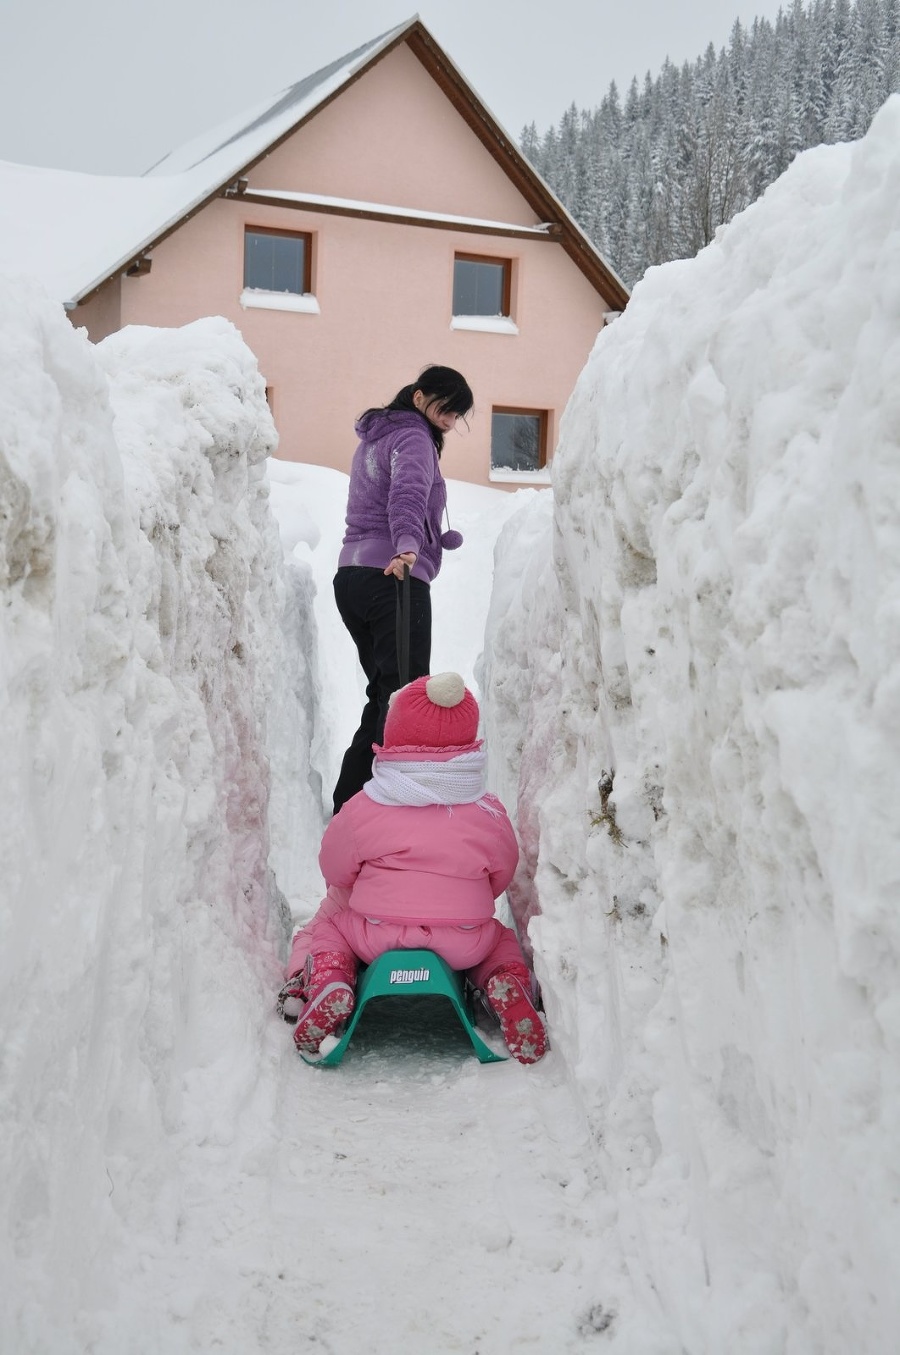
(408,973)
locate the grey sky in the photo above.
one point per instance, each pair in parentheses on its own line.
(108,86)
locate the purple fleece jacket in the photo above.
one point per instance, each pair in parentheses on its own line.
(397,495)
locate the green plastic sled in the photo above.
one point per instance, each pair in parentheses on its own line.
(407,973)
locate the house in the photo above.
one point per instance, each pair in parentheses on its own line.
(367,221)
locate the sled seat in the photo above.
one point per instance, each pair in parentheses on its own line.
(408,973)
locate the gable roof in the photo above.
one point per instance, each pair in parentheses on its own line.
(77,231)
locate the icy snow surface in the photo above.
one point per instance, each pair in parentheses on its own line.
(691,685)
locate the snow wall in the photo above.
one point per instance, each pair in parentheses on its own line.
(702,637)
(139,632)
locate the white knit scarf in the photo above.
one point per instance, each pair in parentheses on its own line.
(458,781)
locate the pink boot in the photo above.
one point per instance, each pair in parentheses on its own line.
(327,989)
(509,993)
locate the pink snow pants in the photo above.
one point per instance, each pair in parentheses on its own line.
(480,950)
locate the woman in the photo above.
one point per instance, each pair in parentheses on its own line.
(396,502)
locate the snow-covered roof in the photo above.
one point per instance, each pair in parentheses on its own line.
(75,231)
(232,145)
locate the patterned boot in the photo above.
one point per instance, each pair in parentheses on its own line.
(509,993)
(327,989)
(290,1000)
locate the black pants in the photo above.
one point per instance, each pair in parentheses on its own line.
(367,602)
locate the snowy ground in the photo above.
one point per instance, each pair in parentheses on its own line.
(690,677)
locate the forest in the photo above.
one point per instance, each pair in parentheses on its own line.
(650,178)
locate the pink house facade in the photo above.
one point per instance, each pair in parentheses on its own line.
(390,225)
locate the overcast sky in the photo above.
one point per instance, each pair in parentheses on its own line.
(108,86)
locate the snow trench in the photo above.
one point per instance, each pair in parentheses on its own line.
(690,686)
(174,1178)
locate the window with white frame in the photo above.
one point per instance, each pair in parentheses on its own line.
(518,439)
(482,294)
(278,269)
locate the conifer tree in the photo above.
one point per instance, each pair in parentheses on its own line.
(652,179)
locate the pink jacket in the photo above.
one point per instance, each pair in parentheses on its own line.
(431,865)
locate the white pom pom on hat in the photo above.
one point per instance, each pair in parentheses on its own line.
(445,689)
(433,712)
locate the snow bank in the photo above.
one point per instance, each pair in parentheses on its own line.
(704,647)
(140,622)
(299,716)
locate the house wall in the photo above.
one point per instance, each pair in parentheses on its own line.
(384,290)
(101,315)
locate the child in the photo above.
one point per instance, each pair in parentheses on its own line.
(415,860)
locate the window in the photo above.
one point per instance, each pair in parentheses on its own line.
(278,268)
(518,440)
(277,261)
(481,286)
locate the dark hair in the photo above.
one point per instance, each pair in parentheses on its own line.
(447,387)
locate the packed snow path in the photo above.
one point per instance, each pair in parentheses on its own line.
(410,1200)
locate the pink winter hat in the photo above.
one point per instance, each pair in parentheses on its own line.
(435,712)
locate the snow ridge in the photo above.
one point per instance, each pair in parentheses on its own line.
(139,632)
(704,645)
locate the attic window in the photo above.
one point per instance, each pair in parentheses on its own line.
(481,286)
(277,261)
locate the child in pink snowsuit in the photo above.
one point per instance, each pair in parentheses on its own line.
(416,860)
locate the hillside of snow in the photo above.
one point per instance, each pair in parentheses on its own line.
(693,698)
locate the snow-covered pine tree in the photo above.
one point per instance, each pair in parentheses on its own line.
(653,179)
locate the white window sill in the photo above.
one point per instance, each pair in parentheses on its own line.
(485,324)
(497,475)
(279,301)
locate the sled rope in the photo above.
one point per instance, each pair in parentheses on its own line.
(402,627)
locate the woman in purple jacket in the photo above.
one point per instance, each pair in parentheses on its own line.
(395,507)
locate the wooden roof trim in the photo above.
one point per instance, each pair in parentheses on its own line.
(535,192)
(396,216)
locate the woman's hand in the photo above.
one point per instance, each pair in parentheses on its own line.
(396,566)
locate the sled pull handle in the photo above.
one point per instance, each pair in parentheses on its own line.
(403,592)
